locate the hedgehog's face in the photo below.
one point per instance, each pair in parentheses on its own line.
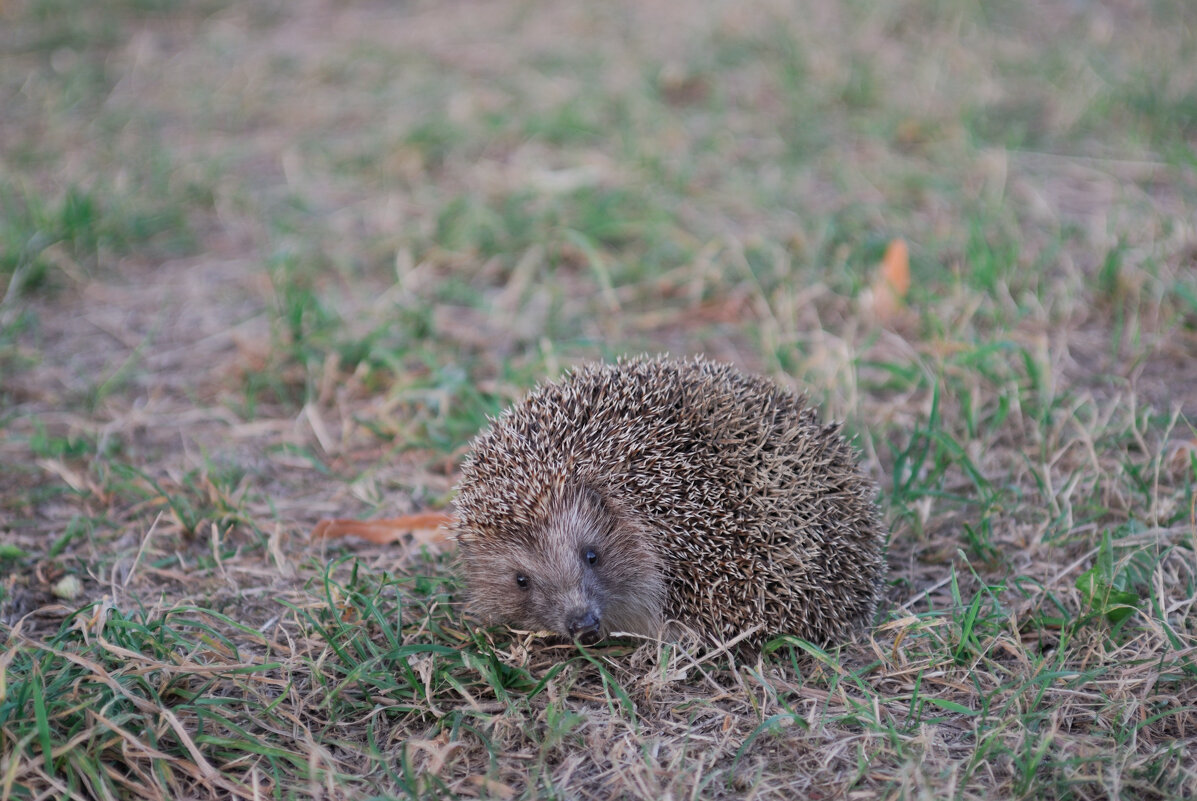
(583,571)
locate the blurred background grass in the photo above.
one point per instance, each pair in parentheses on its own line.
(265,262)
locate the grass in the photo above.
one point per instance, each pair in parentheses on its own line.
(252,277)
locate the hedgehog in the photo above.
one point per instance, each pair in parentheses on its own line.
(656,496)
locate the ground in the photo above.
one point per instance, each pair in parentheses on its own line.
(268,262)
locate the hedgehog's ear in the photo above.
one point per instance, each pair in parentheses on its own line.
(589,498)
(593,497)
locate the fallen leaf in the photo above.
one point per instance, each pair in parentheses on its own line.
(425,527)
(895,267)
(885,294)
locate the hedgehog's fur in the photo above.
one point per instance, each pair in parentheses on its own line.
(655,492)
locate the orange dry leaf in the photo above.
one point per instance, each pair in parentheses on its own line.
(895,267)
(426,527)
(891,283)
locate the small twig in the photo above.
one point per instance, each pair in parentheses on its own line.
(937,585)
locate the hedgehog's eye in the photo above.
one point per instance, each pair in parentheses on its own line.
(590,556)
(522,581)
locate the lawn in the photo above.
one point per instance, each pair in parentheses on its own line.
(269,262)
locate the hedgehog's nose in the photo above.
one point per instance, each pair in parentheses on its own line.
(583,626)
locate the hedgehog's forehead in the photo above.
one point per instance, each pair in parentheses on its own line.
(512,495)
(560,516)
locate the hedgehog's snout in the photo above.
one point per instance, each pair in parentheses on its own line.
(584,625)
